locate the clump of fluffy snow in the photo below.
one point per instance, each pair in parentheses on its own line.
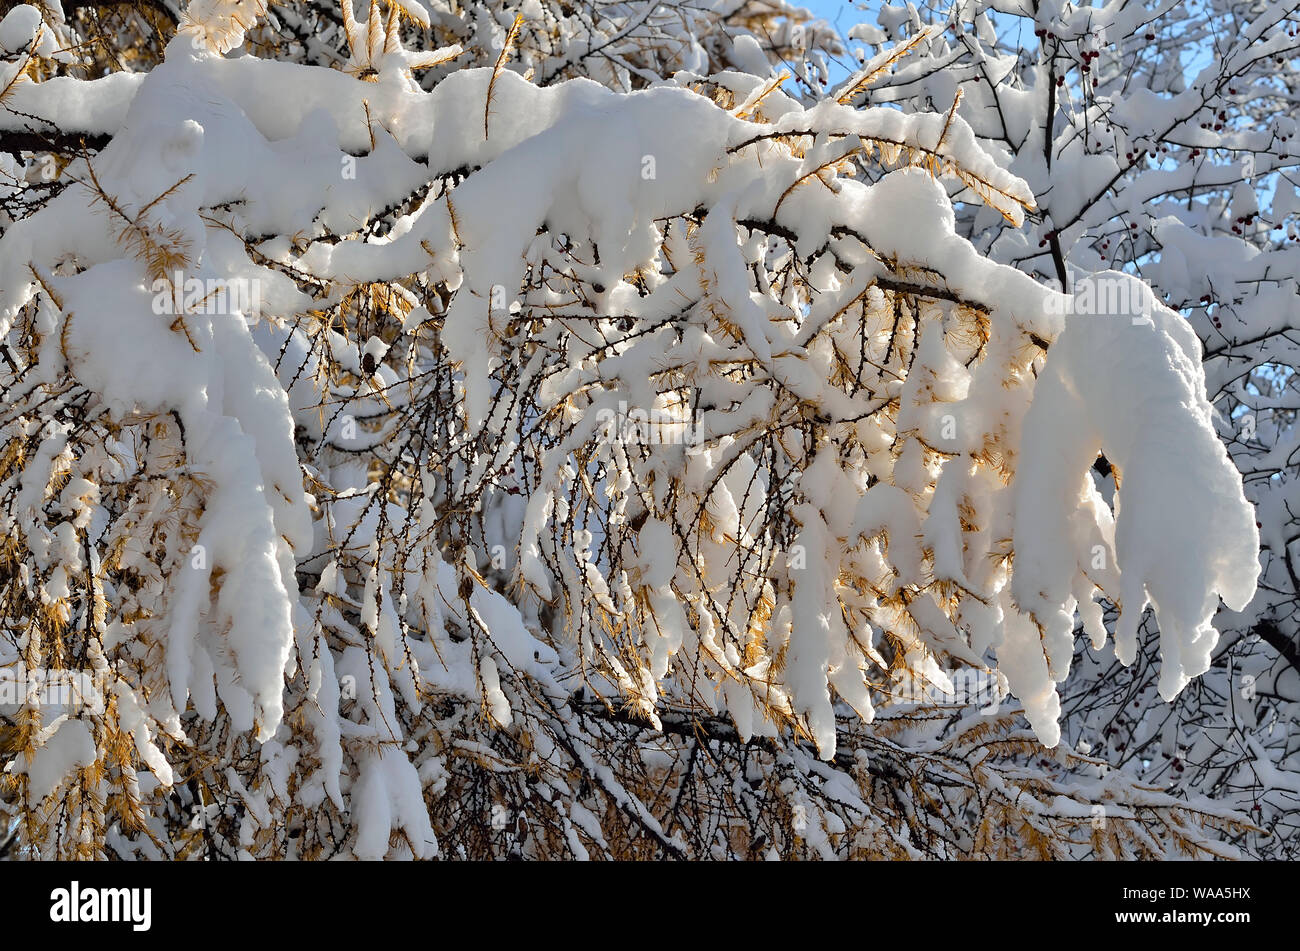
(19,28)
(1184,534)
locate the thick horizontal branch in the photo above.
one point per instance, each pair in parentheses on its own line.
(889,284)
(1272,635)
(16,141)
(692,726)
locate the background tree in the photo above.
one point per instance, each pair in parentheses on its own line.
(1160,139)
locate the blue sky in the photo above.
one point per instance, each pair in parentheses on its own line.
(840,13)
(843,14)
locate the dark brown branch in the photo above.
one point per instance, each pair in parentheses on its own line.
(692,726)
(16,141)
(1272,635)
